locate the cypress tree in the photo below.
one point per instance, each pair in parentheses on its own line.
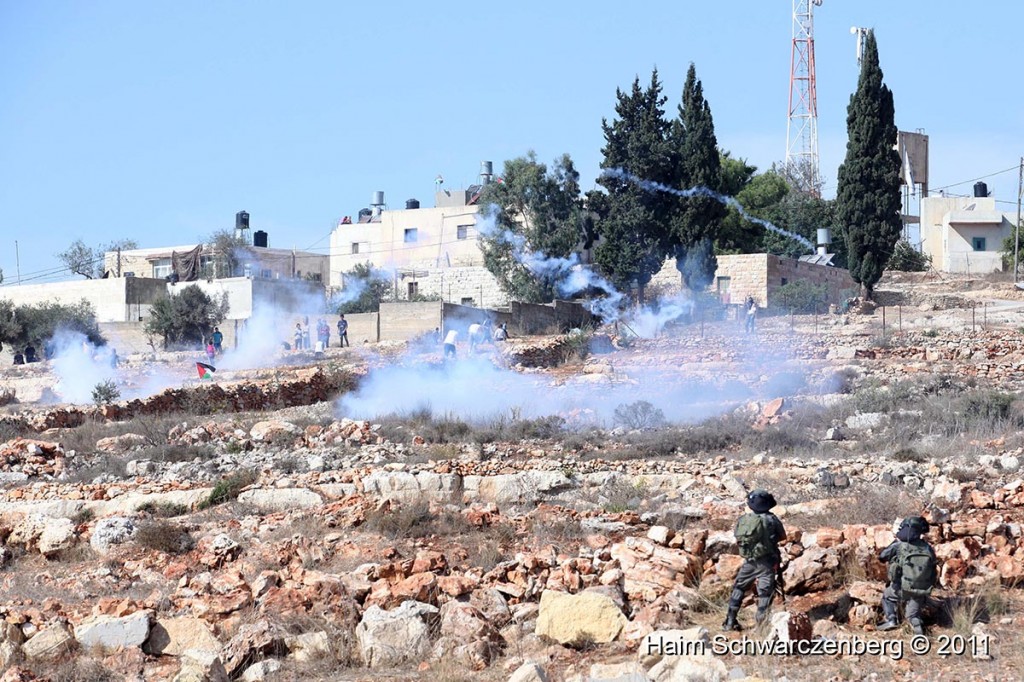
(868,192)
(696,221)
(632,221)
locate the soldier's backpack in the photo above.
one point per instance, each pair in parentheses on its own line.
(917,569)
(753,537)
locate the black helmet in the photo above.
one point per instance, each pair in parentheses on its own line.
(760,501)
(916,523)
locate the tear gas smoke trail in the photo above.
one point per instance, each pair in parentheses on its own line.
(652,186)
(569,275)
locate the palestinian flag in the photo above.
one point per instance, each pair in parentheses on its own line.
(205,371)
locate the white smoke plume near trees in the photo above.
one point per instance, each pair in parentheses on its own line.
(651,186)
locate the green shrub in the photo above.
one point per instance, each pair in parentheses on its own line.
(229,488)
(906,258)
(105,392)
(800,296)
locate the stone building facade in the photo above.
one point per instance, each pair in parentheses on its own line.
(760,275)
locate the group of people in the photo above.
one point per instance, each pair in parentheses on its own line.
(29,355)
(301,336)
(477,333)
(214,345)
(912,568)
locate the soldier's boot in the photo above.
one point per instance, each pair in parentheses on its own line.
(917,626)
(892,620)
(764,605)
(735,599)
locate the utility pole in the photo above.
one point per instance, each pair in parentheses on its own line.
(119,261)
(17,253)
(1016,230)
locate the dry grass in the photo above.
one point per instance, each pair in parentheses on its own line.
(164,536)
(415,520)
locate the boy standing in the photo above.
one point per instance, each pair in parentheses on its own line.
(758,534)
(912,574)
(343,332)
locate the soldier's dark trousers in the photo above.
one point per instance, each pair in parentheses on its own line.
(759,571)
(891,599)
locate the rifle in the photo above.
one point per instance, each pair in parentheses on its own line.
(780,582)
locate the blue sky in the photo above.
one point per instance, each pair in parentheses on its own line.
(158,121)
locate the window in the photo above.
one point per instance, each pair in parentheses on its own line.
(723,284)
(785,281)
(412,234)
(462,232)
(162,268)
(355,247)
(978,243)
(414,289)
(466,301)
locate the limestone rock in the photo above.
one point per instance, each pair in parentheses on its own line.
(58,535)
(273,429)
(529,672)
(201,666)
(392,638)
(568,618)
(111,531)
(250,643)
(49,643)
(107,633)
(174,636)
(309,646)
(122,443)
(280,499)
(261,671)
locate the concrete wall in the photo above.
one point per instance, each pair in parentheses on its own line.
(383,243)
(403,320)
(114,300)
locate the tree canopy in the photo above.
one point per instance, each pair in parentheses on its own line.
(24,325)
(868,192)
(187,318)
(697,220)
(364,288)
(87,261)
(536,210)
(632,222)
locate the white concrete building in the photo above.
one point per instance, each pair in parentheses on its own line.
(428,251)
(255,261)
(964,234)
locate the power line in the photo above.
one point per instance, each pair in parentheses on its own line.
(1007,170)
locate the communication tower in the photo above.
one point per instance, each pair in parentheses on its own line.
(802,126)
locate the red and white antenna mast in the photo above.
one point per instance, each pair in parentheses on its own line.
(802,126)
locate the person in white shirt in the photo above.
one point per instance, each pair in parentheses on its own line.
(475,336)
(449,343)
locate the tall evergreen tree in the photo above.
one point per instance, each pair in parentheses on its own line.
(696,221)
(868,191)
(633,222)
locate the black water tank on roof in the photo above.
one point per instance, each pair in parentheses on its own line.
(259,238)
(980,189)
(411,204)
(242,220)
